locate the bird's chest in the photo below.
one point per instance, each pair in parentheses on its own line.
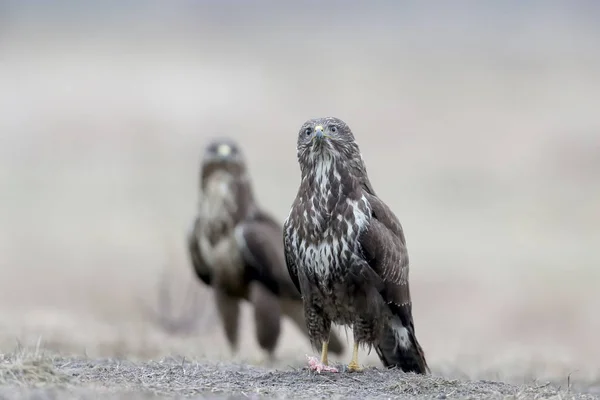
(217,239)
(217,210)
(332,239)
(224,258)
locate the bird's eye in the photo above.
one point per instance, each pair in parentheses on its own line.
(332,129)
(308,131)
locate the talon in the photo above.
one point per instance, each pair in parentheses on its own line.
(354,367)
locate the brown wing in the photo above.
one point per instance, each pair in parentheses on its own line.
(384,248)
(289,257)
(200,267)
(261,246)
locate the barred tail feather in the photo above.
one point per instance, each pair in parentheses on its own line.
(398,347)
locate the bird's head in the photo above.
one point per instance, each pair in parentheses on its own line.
(224,155)
(327,137)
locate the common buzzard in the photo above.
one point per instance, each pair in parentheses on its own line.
(346,253)
(236,248)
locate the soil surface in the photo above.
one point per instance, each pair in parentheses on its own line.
(65,378)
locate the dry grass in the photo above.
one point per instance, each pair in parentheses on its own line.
(30,370)
(42,376)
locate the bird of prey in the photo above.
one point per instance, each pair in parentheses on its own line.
(346,252)
(236,249)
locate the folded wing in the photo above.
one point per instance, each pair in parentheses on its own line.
(260,243)
(384,248)
(201,269)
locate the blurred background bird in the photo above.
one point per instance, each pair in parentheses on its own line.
(237,249)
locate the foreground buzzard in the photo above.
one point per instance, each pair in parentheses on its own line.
(346,253)
(236,248)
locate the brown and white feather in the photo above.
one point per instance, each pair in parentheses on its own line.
(346,251)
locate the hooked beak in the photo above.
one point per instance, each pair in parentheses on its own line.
(319,133)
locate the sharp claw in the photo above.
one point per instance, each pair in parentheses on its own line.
(354,368)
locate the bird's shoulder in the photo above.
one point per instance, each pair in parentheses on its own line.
(259,232)
(383,218)
(259,237)
(383,243)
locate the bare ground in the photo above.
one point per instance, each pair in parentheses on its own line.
(49,377)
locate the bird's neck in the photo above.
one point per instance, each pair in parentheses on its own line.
(324,188)
(329,176)
(225,194)
(321,173)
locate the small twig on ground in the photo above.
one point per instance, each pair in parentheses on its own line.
(569,381)
(195,313)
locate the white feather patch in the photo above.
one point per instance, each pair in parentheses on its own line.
(401,333)
(215,208)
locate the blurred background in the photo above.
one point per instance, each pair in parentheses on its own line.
(478,121)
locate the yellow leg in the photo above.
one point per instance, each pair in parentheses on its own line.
(324,351)
(353,366)
(323,365)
